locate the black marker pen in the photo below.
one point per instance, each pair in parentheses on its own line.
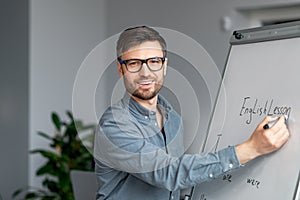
(271,123)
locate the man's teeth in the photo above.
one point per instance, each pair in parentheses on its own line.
(145,82)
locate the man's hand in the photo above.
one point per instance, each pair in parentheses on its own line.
(263,141)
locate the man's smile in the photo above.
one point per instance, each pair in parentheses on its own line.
(145,84)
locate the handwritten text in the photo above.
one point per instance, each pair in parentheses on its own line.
(251,107)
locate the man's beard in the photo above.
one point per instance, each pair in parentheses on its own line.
(142,94)
(147,95)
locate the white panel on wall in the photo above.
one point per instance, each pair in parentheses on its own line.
(62,33)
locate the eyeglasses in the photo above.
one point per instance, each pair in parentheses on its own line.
(135,65)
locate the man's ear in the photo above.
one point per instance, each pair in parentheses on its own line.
(165,66)
(120,69)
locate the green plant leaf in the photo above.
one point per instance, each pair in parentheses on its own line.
(85,127)
(50,197)
(44,135)
(56,120)
(51,185)
(58,140)
(29,190)
(47,154)
(67,152)
(48,168)
(70,115)
(17,192)
(31,196)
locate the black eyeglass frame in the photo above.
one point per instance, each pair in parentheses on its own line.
(163,59)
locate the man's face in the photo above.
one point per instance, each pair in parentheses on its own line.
(144,84)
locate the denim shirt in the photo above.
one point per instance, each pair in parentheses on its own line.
(135,160)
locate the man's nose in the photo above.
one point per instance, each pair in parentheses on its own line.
(145,71)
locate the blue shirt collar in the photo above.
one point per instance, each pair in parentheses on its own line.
(137,108)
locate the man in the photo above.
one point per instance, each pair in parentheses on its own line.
(139,150)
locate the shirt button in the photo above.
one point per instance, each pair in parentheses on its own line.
(230,165)
(155,124)
(211,175)
(146,117)
(172,197)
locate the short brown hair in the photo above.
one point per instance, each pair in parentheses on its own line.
(137,35)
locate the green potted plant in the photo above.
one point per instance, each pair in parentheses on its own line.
(67,152)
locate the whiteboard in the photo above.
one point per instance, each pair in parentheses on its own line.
(261,77)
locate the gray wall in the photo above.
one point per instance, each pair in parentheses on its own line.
(197,19)
(13,96)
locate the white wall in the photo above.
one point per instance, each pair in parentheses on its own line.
(62,33)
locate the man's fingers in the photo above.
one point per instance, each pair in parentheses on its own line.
(279,125)
(280,134)
(283,133)
(266,120)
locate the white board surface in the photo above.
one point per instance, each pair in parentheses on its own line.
(260,78)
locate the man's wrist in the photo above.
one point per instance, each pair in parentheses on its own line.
(245,152)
